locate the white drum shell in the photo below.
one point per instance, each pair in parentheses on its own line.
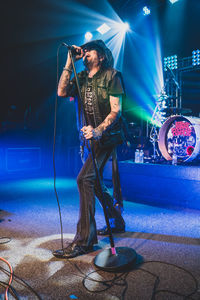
(163,131)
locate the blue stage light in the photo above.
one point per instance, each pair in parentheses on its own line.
(171,62)
(196,57)
(88,36)
(173,1)
(146,11)
(103,28)
(125,27)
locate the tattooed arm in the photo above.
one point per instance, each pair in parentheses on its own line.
(66,74)
(113,116)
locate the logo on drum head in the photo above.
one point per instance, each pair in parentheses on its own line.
(181,139)
(190,150)
(181,128)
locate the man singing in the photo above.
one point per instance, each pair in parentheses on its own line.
(102,93)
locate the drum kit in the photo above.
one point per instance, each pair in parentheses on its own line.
(174,131)
(180,135)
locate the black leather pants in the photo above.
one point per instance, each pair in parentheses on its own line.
(88,188)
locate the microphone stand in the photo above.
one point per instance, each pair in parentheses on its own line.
(115,258)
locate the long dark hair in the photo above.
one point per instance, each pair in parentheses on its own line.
(107,61)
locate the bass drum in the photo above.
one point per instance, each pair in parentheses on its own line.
(180,135)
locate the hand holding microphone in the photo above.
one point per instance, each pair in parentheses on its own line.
(76,51)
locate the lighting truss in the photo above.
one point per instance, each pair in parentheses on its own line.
(159,114)
(158,118)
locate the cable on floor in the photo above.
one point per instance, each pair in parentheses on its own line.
(4,240)
(11,276)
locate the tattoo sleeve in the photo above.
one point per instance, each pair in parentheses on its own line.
(64,82)
(112,117)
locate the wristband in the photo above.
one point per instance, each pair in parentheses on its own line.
(67,69)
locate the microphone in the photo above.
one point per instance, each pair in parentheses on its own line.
(74,50)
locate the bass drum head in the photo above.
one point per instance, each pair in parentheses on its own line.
(180,135)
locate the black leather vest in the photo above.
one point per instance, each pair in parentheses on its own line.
(101,104)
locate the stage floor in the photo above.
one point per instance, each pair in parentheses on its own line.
(166,239)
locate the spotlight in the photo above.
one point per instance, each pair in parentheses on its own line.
(88,36)
(173,1)
(103,28)
(146,11)
(196,57)
(170,62)
(121,28)
(125,27)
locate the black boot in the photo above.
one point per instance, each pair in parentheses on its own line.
(72,250)
(116,225)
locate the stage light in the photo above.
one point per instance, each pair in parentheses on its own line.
(196,57)
(125,27)
(171,62)
(103,28)
(88,36)
(146,11)
(173,1)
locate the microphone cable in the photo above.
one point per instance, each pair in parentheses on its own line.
(54,143)
(10,279)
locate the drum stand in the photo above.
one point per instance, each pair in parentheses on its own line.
(154,140)
(114,259)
